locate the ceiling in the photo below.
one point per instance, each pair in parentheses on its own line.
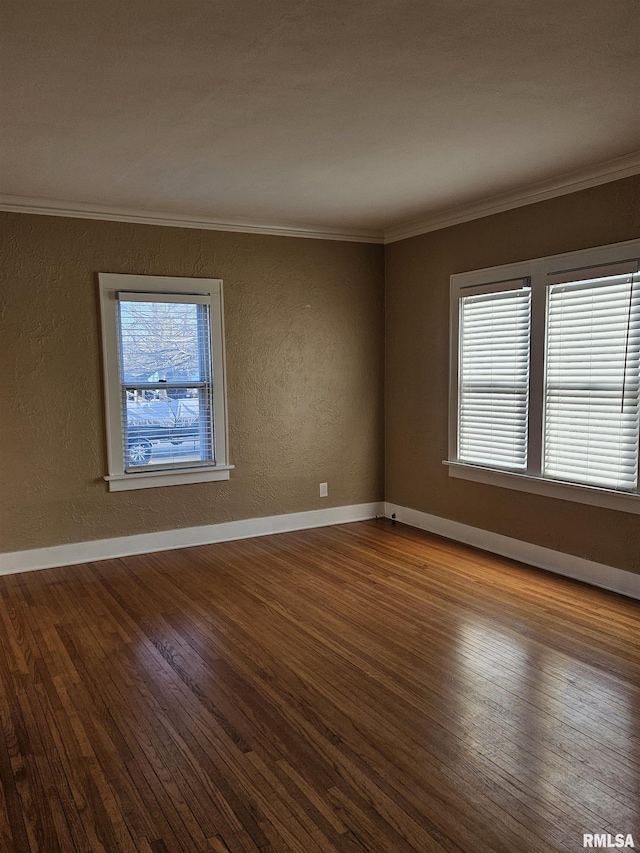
(355,118)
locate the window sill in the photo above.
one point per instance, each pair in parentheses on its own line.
(154,479)
(550,488)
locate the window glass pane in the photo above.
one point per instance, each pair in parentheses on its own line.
(164,341)
(494,378)
(592,382)
(167,426)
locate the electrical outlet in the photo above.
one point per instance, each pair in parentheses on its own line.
(324,490)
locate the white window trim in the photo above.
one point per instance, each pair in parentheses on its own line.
(540,272)
(210,289)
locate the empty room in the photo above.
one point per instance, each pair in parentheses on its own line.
(320,426)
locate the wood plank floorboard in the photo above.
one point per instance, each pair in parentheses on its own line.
(365,688)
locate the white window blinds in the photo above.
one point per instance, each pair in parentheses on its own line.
(592,382)
(494,378)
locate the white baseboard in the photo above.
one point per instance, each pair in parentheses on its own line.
(597,574)
(166,540)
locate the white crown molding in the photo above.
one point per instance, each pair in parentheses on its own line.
(596,574)
(56,207)
(570,182)
(186,537)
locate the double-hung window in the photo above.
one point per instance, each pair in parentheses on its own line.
(545,376)
(163,347)
(494,375)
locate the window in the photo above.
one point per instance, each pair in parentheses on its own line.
(591,384)
(494,377)
(545,378)
(163,345)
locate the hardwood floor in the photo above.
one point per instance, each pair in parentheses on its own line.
(355,688)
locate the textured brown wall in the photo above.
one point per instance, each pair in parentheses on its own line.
(304,334)
(417,370)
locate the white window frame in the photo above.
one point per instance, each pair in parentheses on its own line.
(207,290)
(540,273)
